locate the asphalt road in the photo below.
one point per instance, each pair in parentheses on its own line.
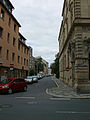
(35,104)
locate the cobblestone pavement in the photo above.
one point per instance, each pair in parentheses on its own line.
(64,91)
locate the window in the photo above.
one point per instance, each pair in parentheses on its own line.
(18,45)
(27,51)
(14,41)
(21,60)
(7,54)
(24,61)
(14,27)
(8,37)
(24,50)
(2,14)
(0,51)
(27,62)
(13,56)
(18,60)
(1,30)
(9,22)
(19,80)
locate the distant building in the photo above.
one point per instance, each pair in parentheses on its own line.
(49,71)
(74,44)
(13,50)
(44,63)
(31,59)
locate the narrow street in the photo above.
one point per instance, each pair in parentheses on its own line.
(36,104)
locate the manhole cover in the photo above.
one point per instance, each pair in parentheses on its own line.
(5,106)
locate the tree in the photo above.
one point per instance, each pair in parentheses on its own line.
(32,72)
(39,66)
(52,66)
(55,67)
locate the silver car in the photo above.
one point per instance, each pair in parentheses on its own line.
(29,79)
(35,78)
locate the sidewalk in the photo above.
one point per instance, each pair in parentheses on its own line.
(64,91)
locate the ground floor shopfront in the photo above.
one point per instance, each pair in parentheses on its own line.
(12,72)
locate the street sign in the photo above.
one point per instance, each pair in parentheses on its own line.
(67,68)
(11,65)
(11,69)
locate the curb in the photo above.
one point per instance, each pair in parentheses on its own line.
(72,96)
(69,96)
(55,82)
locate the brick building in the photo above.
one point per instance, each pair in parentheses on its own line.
(13,51)
(74,44)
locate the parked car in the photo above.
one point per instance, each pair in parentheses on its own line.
(29,79)
(11,85)
(35,78)
(39,76)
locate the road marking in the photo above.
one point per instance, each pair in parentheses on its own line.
(32,103)
(71,112)
(60,98)
(25,97)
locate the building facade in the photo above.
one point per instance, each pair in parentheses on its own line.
(74,44)
(40,62)
(31,59)
(13,58)
(45,66)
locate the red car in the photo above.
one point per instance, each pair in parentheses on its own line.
(11,85)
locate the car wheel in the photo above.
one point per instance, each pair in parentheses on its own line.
(25,88)
(10,91)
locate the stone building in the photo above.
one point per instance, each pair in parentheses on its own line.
(13,51)
(74,44)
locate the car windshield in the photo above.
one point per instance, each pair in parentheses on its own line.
(34,76)
(29,77)
(6,81)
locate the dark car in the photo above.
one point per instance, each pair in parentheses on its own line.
(11,85)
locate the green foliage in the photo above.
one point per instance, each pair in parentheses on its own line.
(55,67)
(32,72)
(39,66)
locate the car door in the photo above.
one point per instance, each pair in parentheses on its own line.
(15,85)
(22,83)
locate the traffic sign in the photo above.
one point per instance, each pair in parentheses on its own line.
(67,68)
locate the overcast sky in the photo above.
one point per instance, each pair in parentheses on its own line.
(40,21)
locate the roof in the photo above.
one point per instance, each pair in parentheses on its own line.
(10,13)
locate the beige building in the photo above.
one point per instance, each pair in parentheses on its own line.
(74,44)
(13,51)
(45,66)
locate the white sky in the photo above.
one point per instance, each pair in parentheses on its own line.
(40,21)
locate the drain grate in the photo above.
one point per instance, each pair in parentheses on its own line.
(5,105)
